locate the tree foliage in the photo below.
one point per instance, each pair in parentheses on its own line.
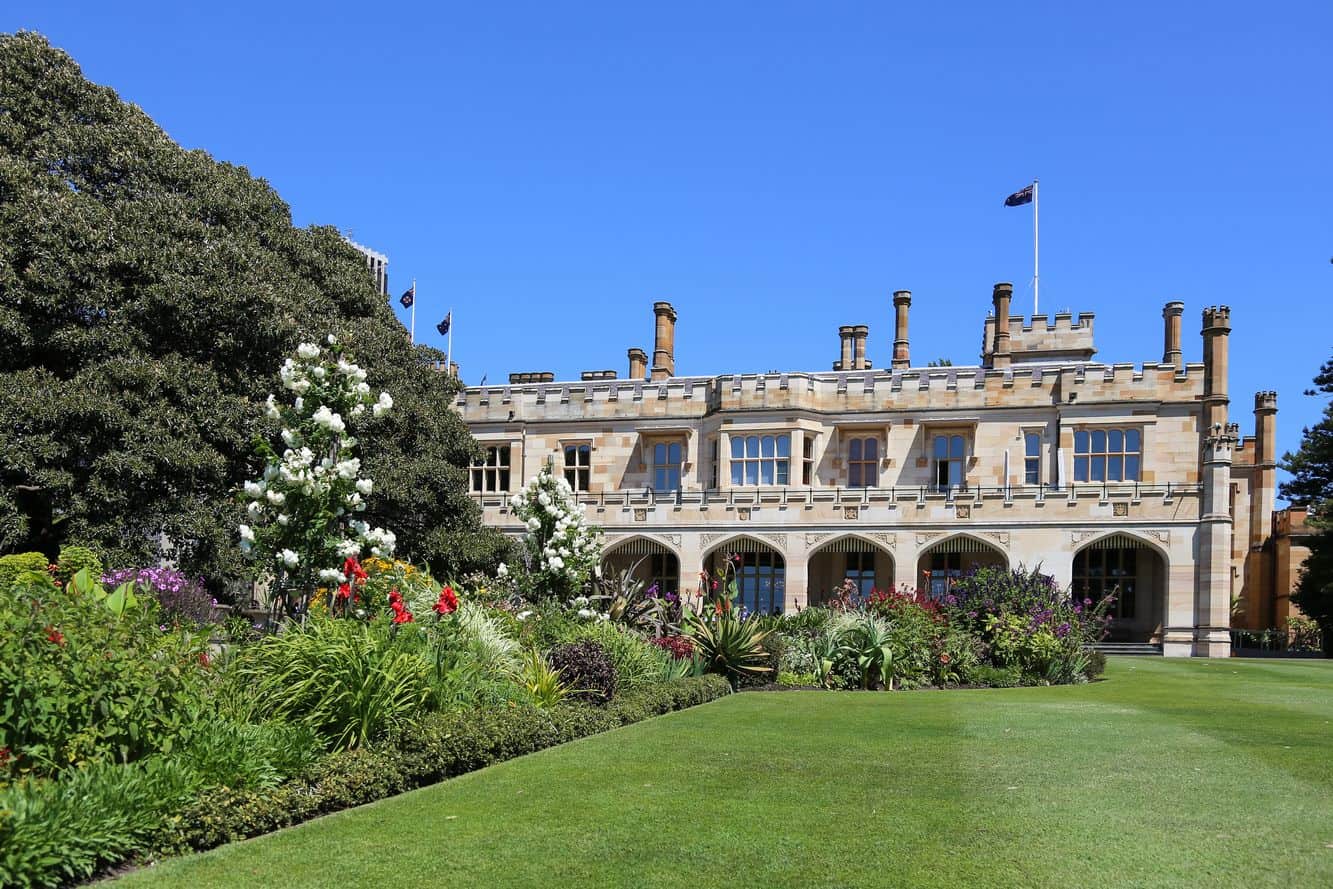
(1311,485)
(147,294)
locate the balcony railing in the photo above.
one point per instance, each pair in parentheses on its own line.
(840,496)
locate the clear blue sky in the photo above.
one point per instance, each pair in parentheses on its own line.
(775,170)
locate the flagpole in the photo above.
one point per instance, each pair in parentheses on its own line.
(449,349)
(1036,275)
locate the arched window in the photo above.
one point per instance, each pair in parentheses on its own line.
(863,462)
(760,582)
(1099,572)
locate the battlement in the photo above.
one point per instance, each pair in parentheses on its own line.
(910,390)
(1044,339)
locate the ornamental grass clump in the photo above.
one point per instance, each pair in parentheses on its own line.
(303,511)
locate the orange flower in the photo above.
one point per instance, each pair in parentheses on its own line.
(54,635)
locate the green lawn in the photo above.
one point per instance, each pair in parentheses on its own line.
(1168,773)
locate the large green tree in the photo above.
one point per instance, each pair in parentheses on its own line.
(147,295)
(1311,485)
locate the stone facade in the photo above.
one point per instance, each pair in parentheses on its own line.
(1107,475)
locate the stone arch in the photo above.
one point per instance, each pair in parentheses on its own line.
(1132,565)
(866,561)
(760,570)
(942,561)
(647,557)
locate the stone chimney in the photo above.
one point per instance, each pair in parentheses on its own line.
(1171,353)
(664,343)
(847,334)
(1000,296)
(902,301)
(1216,344)
(638,364)
(859,334)
(1264,496)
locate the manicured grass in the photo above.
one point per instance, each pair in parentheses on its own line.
(1168,773)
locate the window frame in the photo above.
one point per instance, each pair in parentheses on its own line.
(1086,583)
(484,473)
(678,467)
(861,468)
(1032,463)
(778,463)
(578,475)
(1088,463)
(962,460)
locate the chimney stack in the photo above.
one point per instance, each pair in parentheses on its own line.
(859,334)
(846,333)
(1263,498)
(1216,342)
(664,344)
(638,364)
(902,301)
(1001,295)
(1171,353)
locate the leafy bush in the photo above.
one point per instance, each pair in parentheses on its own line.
(542,681)
(180,599)
(12,566)
(82,683)
(348,681)
(635,660)
(74,559)
(995,677)
(586,668)
(730,645)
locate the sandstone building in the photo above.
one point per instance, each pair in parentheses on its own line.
(1111,476)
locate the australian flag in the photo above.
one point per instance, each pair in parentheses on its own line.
(1019,198)
(443,326)
(409,296)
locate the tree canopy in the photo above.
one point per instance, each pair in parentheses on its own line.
(1311,485)
(147,296)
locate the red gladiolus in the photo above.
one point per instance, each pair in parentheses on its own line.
(204,659)
(344,591)
(54,635)
(352,568)
(448,602)
(402,616)
(5,756)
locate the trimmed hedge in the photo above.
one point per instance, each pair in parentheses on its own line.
(437,747)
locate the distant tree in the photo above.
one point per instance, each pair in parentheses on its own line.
(940,362)
(147,296)
(1311,485)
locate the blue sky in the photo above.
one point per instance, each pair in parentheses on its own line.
(775,170)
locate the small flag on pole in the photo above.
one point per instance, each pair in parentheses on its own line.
(409,296)
(1019,198)
(483,380)
(443,326)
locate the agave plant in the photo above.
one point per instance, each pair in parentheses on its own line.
(542,681)
(625,600)
(729,644)
(867,640)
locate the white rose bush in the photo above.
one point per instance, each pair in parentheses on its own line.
(563,550)
(303,525)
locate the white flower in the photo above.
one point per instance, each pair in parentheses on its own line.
(331,575)
(247,535)
(299,404)
(255,508)
(328,419)
(502,571)
(345,367)
(348,549)
(365,486)
(333,340)
(307,351)
(289,558)
(254,490)
(317,372)
(534,524)
(383,405)
(358,410)
(271,409)
(524,615)
(276,497)
(580,602)
(585,613)
(283,519)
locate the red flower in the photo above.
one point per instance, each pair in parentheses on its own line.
(448,602)
(944,658)
(717,607)
(402,616)
(352,568)
(54,635)
(344,591)
(204,659)
(5,756)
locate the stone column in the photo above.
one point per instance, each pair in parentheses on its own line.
(1212,601)
(664,343)
(1216,338)
(845,333)
(638,364)
(723,460)
(859,334)
(902,301)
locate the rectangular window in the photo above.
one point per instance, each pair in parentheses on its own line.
(1107,455)
(1031,458)
(492,473)
(578,466)
(861,571)
(717,460)
(760,459)
(1103,572)
(863,462)
(666,466)
(808,461)
(949,452)
(945,568)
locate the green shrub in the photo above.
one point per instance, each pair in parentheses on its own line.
(74,559)
(587,669)
(82,683)
(994,677)
(1096,664)
(12,566)
(435,747)
(636,661)
(349,682)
